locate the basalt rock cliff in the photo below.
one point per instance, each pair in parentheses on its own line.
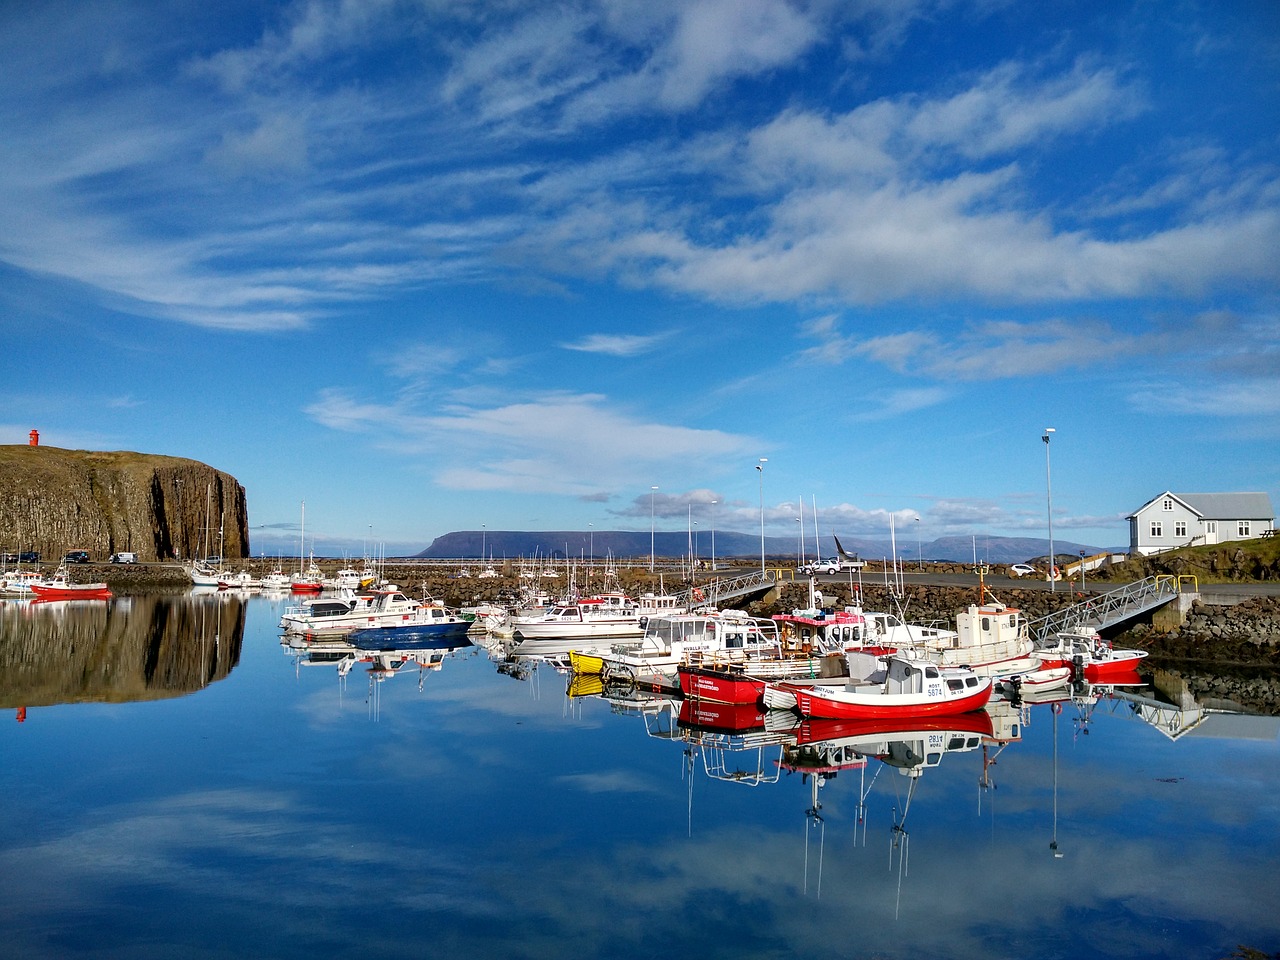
(54,500)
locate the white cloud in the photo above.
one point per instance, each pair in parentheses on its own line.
(617,345)
(552,443)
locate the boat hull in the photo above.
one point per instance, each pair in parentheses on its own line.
(79,591)
(410,637)
(586,663)
(839,703)
(720,686)
(728,717)
(1121,665)
(820,730)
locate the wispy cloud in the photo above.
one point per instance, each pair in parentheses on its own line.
(617,345)
(262,185)
(550,443)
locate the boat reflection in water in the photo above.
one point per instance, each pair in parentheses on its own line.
(122,650)
(420,657)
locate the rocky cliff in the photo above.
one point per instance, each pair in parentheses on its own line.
(54,500)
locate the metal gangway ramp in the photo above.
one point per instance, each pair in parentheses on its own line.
(1111,608)
(714,592)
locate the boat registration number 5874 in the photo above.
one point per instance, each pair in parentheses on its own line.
(935,689)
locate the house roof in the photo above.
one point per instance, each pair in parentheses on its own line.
(1220,506)
(1230,506)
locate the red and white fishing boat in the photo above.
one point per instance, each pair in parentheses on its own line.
(1091,657)
(59,587)
(906,685)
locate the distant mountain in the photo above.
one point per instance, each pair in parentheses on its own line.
(510,544)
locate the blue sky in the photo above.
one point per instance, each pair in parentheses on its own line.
(436,265)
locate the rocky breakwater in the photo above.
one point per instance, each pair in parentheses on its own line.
(1227,653)
(54,500)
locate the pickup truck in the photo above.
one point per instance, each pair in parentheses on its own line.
(835,565)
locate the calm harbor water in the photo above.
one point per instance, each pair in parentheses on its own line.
(182,784)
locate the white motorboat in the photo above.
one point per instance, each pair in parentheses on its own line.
(669,641)
(596,621)
(349,611)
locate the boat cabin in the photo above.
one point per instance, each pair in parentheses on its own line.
(989,624)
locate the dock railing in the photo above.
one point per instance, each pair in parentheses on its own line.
(714,592)
(1109,608)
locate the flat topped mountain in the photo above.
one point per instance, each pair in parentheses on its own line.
(54,500)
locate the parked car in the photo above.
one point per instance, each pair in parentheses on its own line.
(76,556)
(835,565)
(124,558)
(1022,570)
(26,556)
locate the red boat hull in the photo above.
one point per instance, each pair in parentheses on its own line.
(306,587)
(815,731)
(708,715)
(1119,667)
(720,686)
(89,591)
(811,705)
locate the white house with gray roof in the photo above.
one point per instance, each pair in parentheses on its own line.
(1191,519)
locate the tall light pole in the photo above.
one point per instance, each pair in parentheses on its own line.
(1048,487)
(799,540)
(652,491)
(591,550)
(919,556)
(713,535)
(690,506)
(760,468)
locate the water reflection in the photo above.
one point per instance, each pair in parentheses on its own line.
(419,658)
(127,649)
(498,818)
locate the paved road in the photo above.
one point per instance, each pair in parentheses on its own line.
(998,583)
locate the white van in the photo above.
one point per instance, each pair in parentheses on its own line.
(124,558)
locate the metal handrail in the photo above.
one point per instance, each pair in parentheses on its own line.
(1108,608)
(723,588)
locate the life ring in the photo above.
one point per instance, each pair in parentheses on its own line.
(697,595)
(1055,572)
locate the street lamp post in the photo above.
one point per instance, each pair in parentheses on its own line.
(713,536)
(690,543)
(919,555)
(760,468)
(484,533)
(799,540)
(1048,487)
(652,491)
(591,549)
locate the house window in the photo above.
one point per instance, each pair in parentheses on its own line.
(1180,528)
(1168,504)
(1242,528)
(1157,529)
(1211,526)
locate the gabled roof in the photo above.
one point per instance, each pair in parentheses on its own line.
(1230,506)
(1219,506)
